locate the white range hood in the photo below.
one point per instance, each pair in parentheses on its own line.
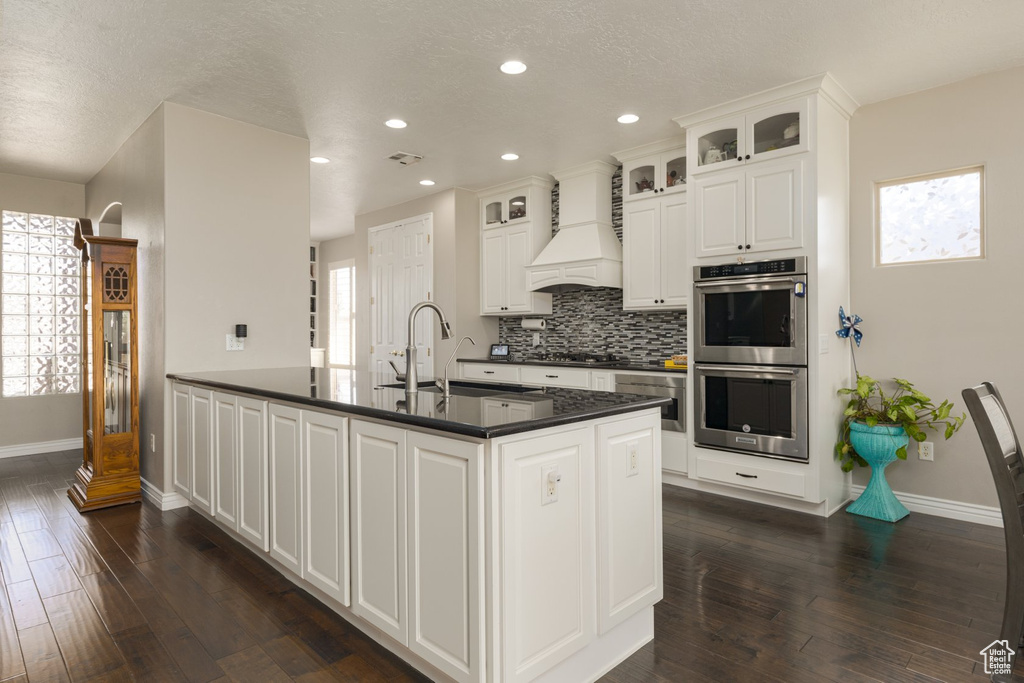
(585,252)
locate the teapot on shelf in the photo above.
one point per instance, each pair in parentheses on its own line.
(643,185)
(713,155)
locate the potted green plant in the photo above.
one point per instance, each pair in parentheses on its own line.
(876,428)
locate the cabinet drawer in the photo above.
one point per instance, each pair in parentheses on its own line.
(490,372)
(574,378)
(751,477)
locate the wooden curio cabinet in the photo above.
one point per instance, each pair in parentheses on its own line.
(109,474)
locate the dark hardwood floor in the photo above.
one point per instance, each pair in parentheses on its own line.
(752,593)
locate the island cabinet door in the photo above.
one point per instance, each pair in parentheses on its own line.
(629,571)
(201,448)
(379,527)
(286,487)
(181,460)
(325,494)
(225,459)
(446,554)
(253,490)
(547,551)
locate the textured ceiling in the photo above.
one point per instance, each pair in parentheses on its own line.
(78,76)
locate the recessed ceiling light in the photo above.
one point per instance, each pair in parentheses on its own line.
(628,118)
(319,160)
(513,68)
(510,156)
(426,182)
(395,123)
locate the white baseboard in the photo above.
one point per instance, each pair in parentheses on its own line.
(40,447)
(164,501)
(951,509)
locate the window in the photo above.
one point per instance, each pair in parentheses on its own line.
(40,325)
(343,315)
(937,217)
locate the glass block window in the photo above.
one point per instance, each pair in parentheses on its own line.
(343,315)
(40,318)
(937,217)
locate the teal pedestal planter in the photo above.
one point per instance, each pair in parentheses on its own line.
(878,445)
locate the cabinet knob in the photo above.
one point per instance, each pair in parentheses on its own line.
(747,157)
(748,246)
(740,247)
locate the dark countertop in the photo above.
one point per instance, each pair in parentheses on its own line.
(618,367)
(482,415)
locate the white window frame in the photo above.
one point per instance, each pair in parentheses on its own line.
(880,185)
(333,312)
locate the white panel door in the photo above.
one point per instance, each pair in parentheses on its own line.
(181,460)
(629,567)
(518,254)
(401,275)
(325,516)
(547,552)
(775,205)
(225,459)
(286,487)
(446,554)
(492,272)
(379,588)
(253,487)
(201,448)
(641,254)
(675,276)
(718,213)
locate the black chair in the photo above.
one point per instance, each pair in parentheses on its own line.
(1003,452)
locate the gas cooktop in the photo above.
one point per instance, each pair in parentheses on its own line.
(587,358)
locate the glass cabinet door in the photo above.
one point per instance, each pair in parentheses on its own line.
(117,372)
(494,213)
(640,177)
(718,143)
(516,208)
(779,130)
(674,164)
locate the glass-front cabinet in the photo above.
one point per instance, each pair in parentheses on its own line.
(109,474)
(653,174)
(502,210)
(764,133)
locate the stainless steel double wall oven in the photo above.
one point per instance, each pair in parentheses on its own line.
(749,357)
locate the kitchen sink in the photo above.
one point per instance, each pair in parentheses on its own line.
(459,388)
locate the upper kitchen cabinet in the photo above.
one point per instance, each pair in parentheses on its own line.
(515,227)
(744,197)
(653,169)
(765,133)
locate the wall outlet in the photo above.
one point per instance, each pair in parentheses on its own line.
(152,443)
(632,458)
(235,343)
(926,450)
(549,478)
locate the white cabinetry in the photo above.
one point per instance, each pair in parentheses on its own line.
(602,381)
(654,169)
(417,572)
(515,227)
(547,550)
(181,460)
(751,209)
(200,409)
(286,486)
(654,254)
(629,569)
(325,503)
(225,458)
(253,491)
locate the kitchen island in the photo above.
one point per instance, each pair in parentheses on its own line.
(503,534)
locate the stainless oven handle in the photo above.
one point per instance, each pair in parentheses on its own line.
(749,281)
(772,370)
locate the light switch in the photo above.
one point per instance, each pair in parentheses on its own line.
(823,343)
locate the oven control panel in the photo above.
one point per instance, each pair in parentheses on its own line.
(788,266)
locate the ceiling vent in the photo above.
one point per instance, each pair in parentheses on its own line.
(405,159)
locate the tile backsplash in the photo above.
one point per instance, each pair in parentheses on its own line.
(592,320)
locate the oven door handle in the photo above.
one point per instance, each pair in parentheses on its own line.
(750,368)
(749,281)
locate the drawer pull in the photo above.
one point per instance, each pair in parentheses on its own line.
(488,372)
(551,376)
(746,476)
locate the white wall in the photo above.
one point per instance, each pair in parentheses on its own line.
(34,419)
(944,326)
(237,230)
(134,176)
